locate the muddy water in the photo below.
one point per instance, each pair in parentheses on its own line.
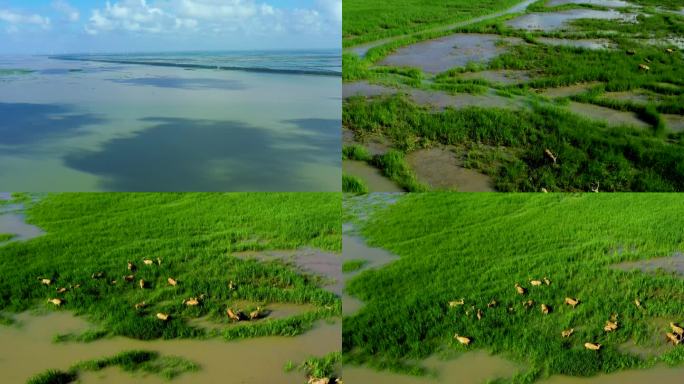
(441,169)
(610,116)
(375,145)
(28,349)
(585,43)
(660,375)
(372,177)
(635,97)
(442,54)
(674,263)
(604,3)
(317,262)
(363,88)
(470,368)
(549,21)
(674,122)
(504,76)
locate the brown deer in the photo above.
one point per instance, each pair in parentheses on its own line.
(536,283)
(547,281)
(61,290)
(234,315)
(131,267)
(141,283)
(592,346)
(456,303)
(492,304)
(148,262)
(637,302)
(519,289)
(610,326)
(45,281)
(571,302)
(479,314)
(191,302)
(528,304)
(677,329)
(551,155)
(256,314)
(568,332)
(672,338)
(97,275)
(56,302)
(644,67)
(545,309)
(129,278)
(462,339)
(141,305)
(163,316)
(172,281)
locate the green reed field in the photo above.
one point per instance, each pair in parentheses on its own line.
(478,246)
(510,145)
(193,236)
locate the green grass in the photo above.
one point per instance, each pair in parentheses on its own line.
(356,152)
(194,235)
(6,236)
(167,367)
(327,366)
(477,246)
(619,158)
(353,265)
(368,20)
(352,184)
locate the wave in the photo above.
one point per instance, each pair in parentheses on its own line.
(293,71)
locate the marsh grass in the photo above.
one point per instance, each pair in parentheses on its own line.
(478,246)
(353,184)
(194,236)
(6,236)
(353,265)
(167,367)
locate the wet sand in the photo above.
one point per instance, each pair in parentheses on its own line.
(441,169)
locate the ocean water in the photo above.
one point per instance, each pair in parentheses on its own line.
(171,122)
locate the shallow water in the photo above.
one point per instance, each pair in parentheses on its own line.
(567,91)
(364,88)
(470,368)
(586,43)
(549,21)
(148,128)
(604,3)
(607,115)
(441,169)
(372,177)
(15,224)
(674,122)
(28,350)
(660,375)
(636,97)
(439,55)
(674,263)
(502,76)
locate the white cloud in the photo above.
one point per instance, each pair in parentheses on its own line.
(249,17)
(66,9)
(15,19)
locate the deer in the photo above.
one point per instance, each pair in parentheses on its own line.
(669,50)
(519,289)
(528,304)
(455,303)
(547,281)
(644,67)
(672,338)
(592,346)
(97,275)
(45,281)
(568,332)
(140,305)
(56,302)
(191,302)
(545,309)
(163,316)
(462,339)
(595,189)
(610,326)
(236,316)
(479,314)
(551,155)
(61,290)
(129,278)
(172,281)
(535,283)
(148,262)
(571,302)
(131,267)
(141,283)
(256,314)
(492,304)
(637,302)
(677,329)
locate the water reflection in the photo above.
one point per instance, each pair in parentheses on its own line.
(185,83)
(176,154)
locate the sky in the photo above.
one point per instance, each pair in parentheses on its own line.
(90,26)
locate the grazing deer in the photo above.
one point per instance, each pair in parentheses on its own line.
(141,305)
(677,329)
(148,262)
(610,326)
(462,339)
(528,304)
(637,302)
(544,190)
(479,314)
(644,67)
(455,303)
(317,380)
(568,332)
(56,302)
(547,281)
(131,267)
(595,189)
(97,275)
(61,290)
(141,283)
(45,281)
(231,285)
(536,283)
(551,155)
(669,50)
(545,309)
(191,302)
(237,315)
(519,289)
(592,346)
(172,281)
(113,282)
(256,314)
(129,277)
(571,302)
(163,316)
(671,337)
(492,304)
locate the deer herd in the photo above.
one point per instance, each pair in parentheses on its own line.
(233,314)
(675,337)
